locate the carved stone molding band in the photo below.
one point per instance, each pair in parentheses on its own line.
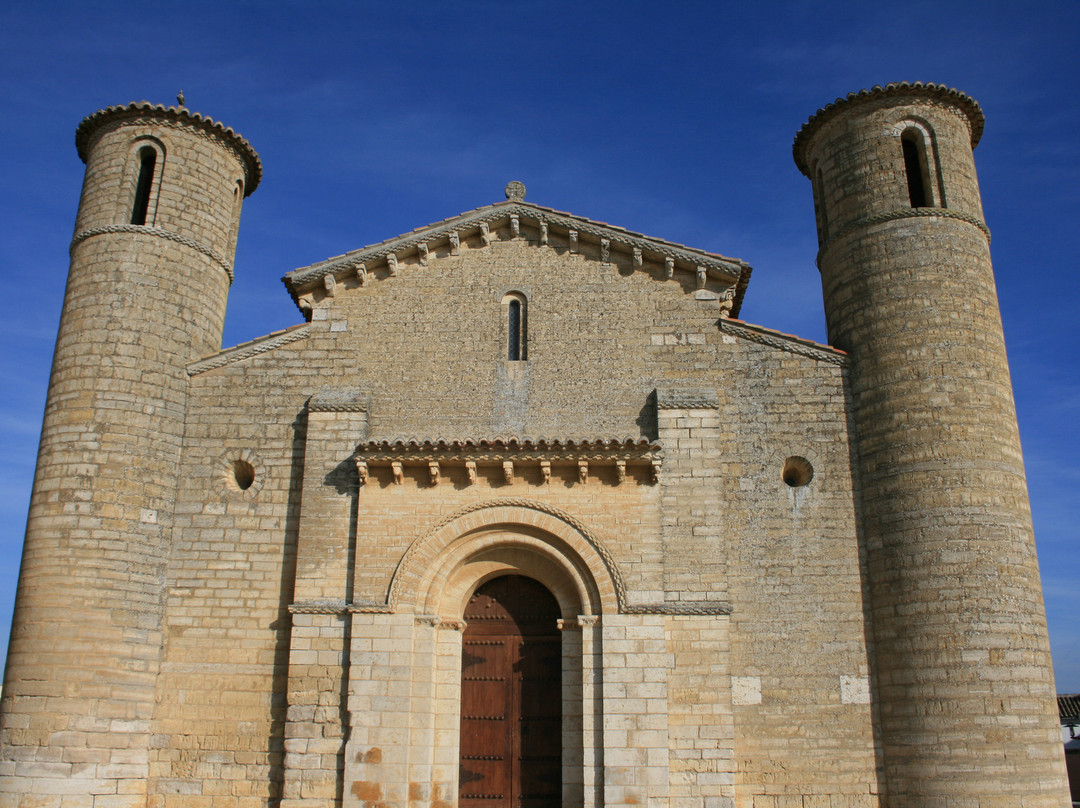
(246,350)
(680,608)
(903,213)
(509,457)
(319,607)
(484,225)
(154,231)
(330,400)
(784,342)
(698,399)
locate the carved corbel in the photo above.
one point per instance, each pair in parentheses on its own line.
(637,258)
(422,252)
(395,466)
(656,464)
(508,471)
(515,226)
(620,470)
(361,274)
(433,472)
(543,232)
(605,250)
(361,471)
(305,306)
(485,234)
(470,471)
(702,277)
(583,471)
(545,471)
(573,241)
(455,242)
(391,263)
(330,284)
(727,302)
(669,268)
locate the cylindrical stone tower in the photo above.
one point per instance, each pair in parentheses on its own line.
(151,265)
(964,686)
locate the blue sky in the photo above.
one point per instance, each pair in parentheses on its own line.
(674,119)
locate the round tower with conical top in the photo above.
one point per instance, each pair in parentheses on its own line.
(959,649)
(151,266)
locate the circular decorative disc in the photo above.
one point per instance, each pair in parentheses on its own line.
(515,191)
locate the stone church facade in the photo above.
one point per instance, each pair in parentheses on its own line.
(523,514)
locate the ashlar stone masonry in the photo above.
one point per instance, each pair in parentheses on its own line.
(774,574)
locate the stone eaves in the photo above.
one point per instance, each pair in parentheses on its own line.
(511,454)
(967,105)
(518,219)
(176,115)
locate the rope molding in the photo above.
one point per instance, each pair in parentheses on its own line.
(791,345)
(901,213)
(153,231)
(241,352)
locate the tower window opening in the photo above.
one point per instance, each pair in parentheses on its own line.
(147,163)
(516,328)
(915,168)
(819,208)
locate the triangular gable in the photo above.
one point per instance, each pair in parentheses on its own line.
(515,219)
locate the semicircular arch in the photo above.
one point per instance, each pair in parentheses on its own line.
(508,535)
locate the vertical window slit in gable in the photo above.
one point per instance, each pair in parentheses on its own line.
(147,164)
(514,352)
(517,327)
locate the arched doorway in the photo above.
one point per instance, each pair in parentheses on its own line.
(511,697)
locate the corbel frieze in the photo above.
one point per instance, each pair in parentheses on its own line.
(510,460)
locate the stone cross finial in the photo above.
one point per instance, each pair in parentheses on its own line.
(515,191)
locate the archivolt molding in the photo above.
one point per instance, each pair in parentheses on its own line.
(154,231)
(495,513)
(902,213)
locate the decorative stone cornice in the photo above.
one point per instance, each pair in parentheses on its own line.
(331,400)
(506,453)
(687,399)
(142,230)
(963,103)
(246,350)
(785,342)
(902,213)
(140,111)
(610,243)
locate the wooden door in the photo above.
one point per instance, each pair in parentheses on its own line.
(511,697)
